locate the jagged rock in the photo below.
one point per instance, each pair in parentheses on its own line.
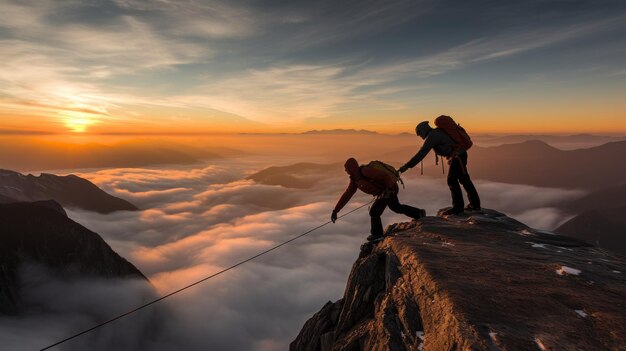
(69,191)
(321,327)
(479,281)
(41,233)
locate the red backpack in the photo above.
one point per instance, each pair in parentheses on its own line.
(455,131)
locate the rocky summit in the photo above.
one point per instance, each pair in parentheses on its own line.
(482,281)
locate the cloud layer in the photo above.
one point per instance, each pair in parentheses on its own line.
(196,221)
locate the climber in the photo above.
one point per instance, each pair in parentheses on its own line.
(444,145)
(379,179)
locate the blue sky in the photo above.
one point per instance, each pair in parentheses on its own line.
(131,65)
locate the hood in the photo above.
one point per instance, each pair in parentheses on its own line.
(423,129)
(352,167)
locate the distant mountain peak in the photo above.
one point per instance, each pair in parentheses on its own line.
(535,143)
(340,131)
(8,172)
(69,191)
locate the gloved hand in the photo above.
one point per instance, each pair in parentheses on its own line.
(333,216)
(403,169)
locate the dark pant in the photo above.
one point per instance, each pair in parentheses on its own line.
(458,174)
(378,207)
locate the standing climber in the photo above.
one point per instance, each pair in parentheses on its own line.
(379,179)
(450,141)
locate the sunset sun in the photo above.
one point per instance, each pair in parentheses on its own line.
(77,122)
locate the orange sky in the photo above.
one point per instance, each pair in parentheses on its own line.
(130,69)
(547,121)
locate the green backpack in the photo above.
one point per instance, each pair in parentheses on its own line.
(389,169)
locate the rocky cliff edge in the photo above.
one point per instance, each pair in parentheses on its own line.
(478,282)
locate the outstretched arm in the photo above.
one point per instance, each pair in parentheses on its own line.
(423,151)
(347,195)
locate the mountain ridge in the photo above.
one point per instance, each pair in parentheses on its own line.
(70,191)
(40,233)
(531,162)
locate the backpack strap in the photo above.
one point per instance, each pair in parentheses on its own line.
(437,156)
(394,171)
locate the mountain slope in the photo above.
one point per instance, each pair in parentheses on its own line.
(484,282)
(569,142)
(605,228)
(599,218)
(535,163)
(531,162)
(26,154)
(605,198)
(298,176)
(69,191)
(41,233)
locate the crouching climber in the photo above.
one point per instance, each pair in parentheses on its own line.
(380,180)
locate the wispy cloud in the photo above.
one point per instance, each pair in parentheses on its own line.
(292,92)
(282,63)
(70,69)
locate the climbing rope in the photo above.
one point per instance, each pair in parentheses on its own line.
(199,281)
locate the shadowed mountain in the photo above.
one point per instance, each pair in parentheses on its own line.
(27,154)
(41,233)
(481,282)
(600,218)
(532,162)
(605,228)
(575,141)
(299,175)
(599,200)
(339,132)
(5,199)
(536,163)
(69,191)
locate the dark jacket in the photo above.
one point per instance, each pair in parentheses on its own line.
(369,180)
(435,139)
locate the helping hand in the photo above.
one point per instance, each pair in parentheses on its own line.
(333,216)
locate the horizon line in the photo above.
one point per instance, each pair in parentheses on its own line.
(8,133)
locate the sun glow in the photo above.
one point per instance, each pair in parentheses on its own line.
(77,122)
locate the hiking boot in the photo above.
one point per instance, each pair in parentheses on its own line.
(420,213)
(374,238)
(452,211)
(471,207)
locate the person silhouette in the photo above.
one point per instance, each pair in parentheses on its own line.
(380,183)
(438,140)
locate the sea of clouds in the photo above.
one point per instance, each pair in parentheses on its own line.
(196,220)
